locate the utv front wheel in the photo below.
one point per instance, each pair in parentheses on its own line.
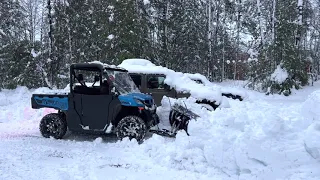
(132,127)
(54,125)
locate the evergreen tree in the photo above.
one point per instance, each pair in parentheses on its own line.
(286,46)
(129,30)
(16,65)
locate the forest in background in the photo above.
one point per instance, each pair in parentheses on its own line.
(221,39)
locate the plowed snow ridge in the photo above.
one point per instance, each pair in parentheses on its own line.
(263,137)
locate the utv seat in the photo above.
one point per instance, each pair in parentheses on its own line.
(87,90)
(83,89)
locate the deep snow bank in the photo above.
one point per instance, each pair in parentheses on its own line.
(311,111)
(15,105)
(249,140)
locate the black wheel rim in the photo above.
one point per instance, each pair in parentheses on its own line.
(53,127)
(131,130)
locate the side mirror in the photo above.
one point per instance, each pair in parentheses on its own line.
(96,78)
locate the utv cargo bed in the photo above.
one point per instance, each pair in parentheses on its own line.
(56,101)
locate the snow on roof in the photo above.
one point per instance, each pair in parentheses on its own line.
(106,65)
(143,66)
(178,80)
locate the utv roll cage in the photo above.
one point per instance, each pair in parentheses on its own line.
(99,68)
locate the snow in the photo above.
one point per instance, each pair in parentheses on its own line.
(300,8)
(253,55)
(312,118)
(2,32)
(106,65)
(178,80)
(111,17)
(262,138)
(62,76)
(215,87)
(279,75)
(111,36)
(145,2)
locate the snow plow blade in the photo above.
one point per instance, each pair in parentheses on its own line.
(179,119)
(163,132)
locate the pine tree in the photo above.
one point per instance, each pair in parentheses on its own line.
(129,30)
(17,65)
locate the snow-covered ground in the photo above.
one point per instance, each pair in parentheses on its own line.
(260,138)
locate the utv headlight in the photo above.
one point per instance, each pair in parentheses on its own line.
(139,102)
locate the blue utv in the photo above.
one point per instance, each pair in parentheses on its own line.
(111,103)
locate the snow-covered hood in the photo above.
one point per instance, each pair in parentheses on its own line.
(216,87)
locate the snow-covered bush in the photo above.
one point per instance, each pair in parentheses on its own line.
(280,81)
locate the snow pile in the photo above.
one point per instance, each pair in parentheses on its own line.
(15,105)
(9,97)
(246,141)
(311,107)
(311,140)
(311,110)
(178,80)
(268,138)
(279,75)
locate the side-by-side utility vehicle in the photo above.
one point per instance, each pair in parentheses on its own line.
(111,103)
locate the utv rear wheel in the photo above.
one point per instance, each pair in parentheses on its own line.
(54,125)
(132,127)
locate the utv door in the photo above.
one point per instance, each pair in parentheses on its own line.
(95,111)
(156,87)
(89,105)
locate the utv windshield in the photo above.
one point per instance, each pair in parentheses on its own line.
(122,81)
